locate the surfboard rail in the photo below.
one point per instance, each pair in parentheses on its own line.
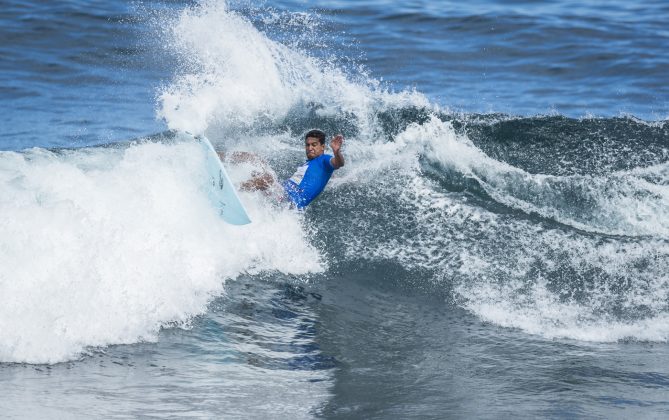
(221,191)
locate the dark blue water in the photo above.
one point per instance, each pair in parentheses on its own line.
(496,246)
(69,69)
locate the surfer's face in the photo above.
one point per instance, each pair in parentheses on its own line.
(313,147)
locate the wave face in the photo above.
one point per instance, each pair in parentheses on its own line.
(552,225)
(582,255)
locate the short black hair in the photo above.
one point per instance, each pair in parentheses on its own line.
(316,134)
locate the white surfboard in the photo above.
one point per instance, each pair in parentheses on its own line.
(222,192)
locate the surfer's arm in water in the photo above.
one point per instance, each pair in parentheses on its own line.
(335,144)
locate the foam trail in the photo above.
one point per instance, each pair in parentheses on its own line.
(561,285)
(105,246)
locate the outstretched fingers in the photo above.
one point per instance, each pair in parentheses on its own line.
(336,142)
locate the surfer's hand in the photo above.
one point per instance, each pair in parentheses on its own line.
(336,142)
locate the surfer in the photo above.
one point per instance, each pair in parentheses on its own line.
(310,178)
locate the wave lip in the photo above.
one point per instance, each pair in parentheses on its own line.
(234,75)
(627,203)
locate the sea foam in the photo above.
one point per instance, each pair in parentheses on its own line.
(107,245)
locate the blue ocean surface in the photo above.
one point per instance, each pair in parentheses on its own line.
(497,245)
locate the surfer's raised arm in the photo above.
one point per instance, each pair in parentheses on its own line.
(335,144)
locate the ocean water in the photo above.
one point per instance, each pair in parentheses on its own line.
(497,245)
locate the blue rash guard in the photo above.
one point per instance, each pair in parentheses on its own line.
(309,180)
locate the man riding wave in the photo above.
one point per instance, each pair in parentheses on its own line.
(310,178)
